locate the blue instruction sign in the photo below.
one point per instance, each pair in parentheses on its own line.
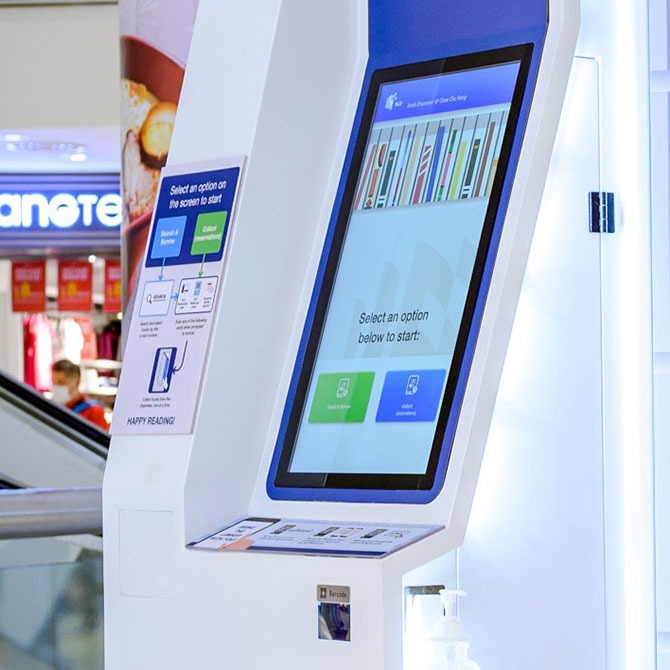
(176,299)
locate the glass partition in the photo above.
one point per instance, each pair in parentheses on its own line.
(51,604)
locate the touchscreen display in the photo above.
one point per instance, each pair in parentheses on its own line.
(396,305)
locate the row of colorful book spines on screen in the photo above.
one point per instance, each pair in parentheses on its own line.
(424,163)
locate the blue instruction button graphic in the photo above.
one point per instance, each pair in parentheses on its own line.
(411,395)
(168,237)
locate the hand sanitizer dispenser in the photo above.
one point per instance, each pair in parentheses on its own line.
(449,649)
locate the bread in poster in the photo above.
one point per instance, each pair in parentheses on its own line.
(156,133)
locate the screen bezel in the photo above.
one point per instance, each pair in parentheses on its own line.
(284,484)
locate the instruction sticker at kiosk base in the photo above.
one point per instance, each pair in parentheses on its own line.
(299,536)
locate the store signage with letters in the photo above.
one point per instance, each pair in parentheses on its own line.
(60,212)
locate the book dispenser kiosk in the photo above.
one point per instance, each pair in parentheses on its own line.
(322,316)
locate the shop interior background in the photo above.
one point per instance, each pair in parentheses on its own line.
(60,115)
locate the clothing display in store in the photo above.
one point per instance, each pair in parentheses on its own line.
(89,349)
(108,341)
(56,337)
(38,339)
(69,340)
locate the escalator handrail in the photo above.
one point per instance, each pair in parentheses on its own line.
(50,512)
(59,418)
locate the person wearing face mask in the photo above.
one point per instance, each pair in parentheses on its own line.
(65,391)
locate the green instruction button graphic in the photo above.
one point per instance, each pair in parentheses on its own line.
(341,397)
(208,235)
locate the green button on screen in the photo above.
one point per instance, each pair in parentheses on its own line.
(341,397)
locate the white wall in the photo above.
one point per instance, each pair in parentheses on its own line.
(59,66)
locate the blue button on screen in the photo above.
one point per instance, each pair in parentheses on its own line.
(411,395)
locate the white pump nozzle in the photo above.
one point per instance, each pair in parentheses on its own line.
(448,626)
(449,598)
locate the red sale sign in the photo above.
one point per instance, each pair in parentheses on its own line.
(29,286)
(75,286)
(112,285)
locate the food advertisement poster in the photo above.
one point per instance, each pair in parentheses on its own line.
(29,286)
(176,299)
(155,39)
(75,286)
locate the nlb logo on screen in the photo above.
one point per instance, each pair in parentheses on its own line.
(60,210)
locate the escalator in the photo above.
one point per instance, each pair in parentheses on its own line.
(45,445)
(51,579)
(51,587)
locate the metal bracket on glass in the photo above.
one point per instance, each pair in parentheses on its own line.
(601,210)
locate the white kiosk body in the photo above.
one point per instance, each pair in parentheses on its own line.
(277,94)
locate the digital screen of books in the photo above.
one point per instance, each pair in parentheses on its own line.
(392,322)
